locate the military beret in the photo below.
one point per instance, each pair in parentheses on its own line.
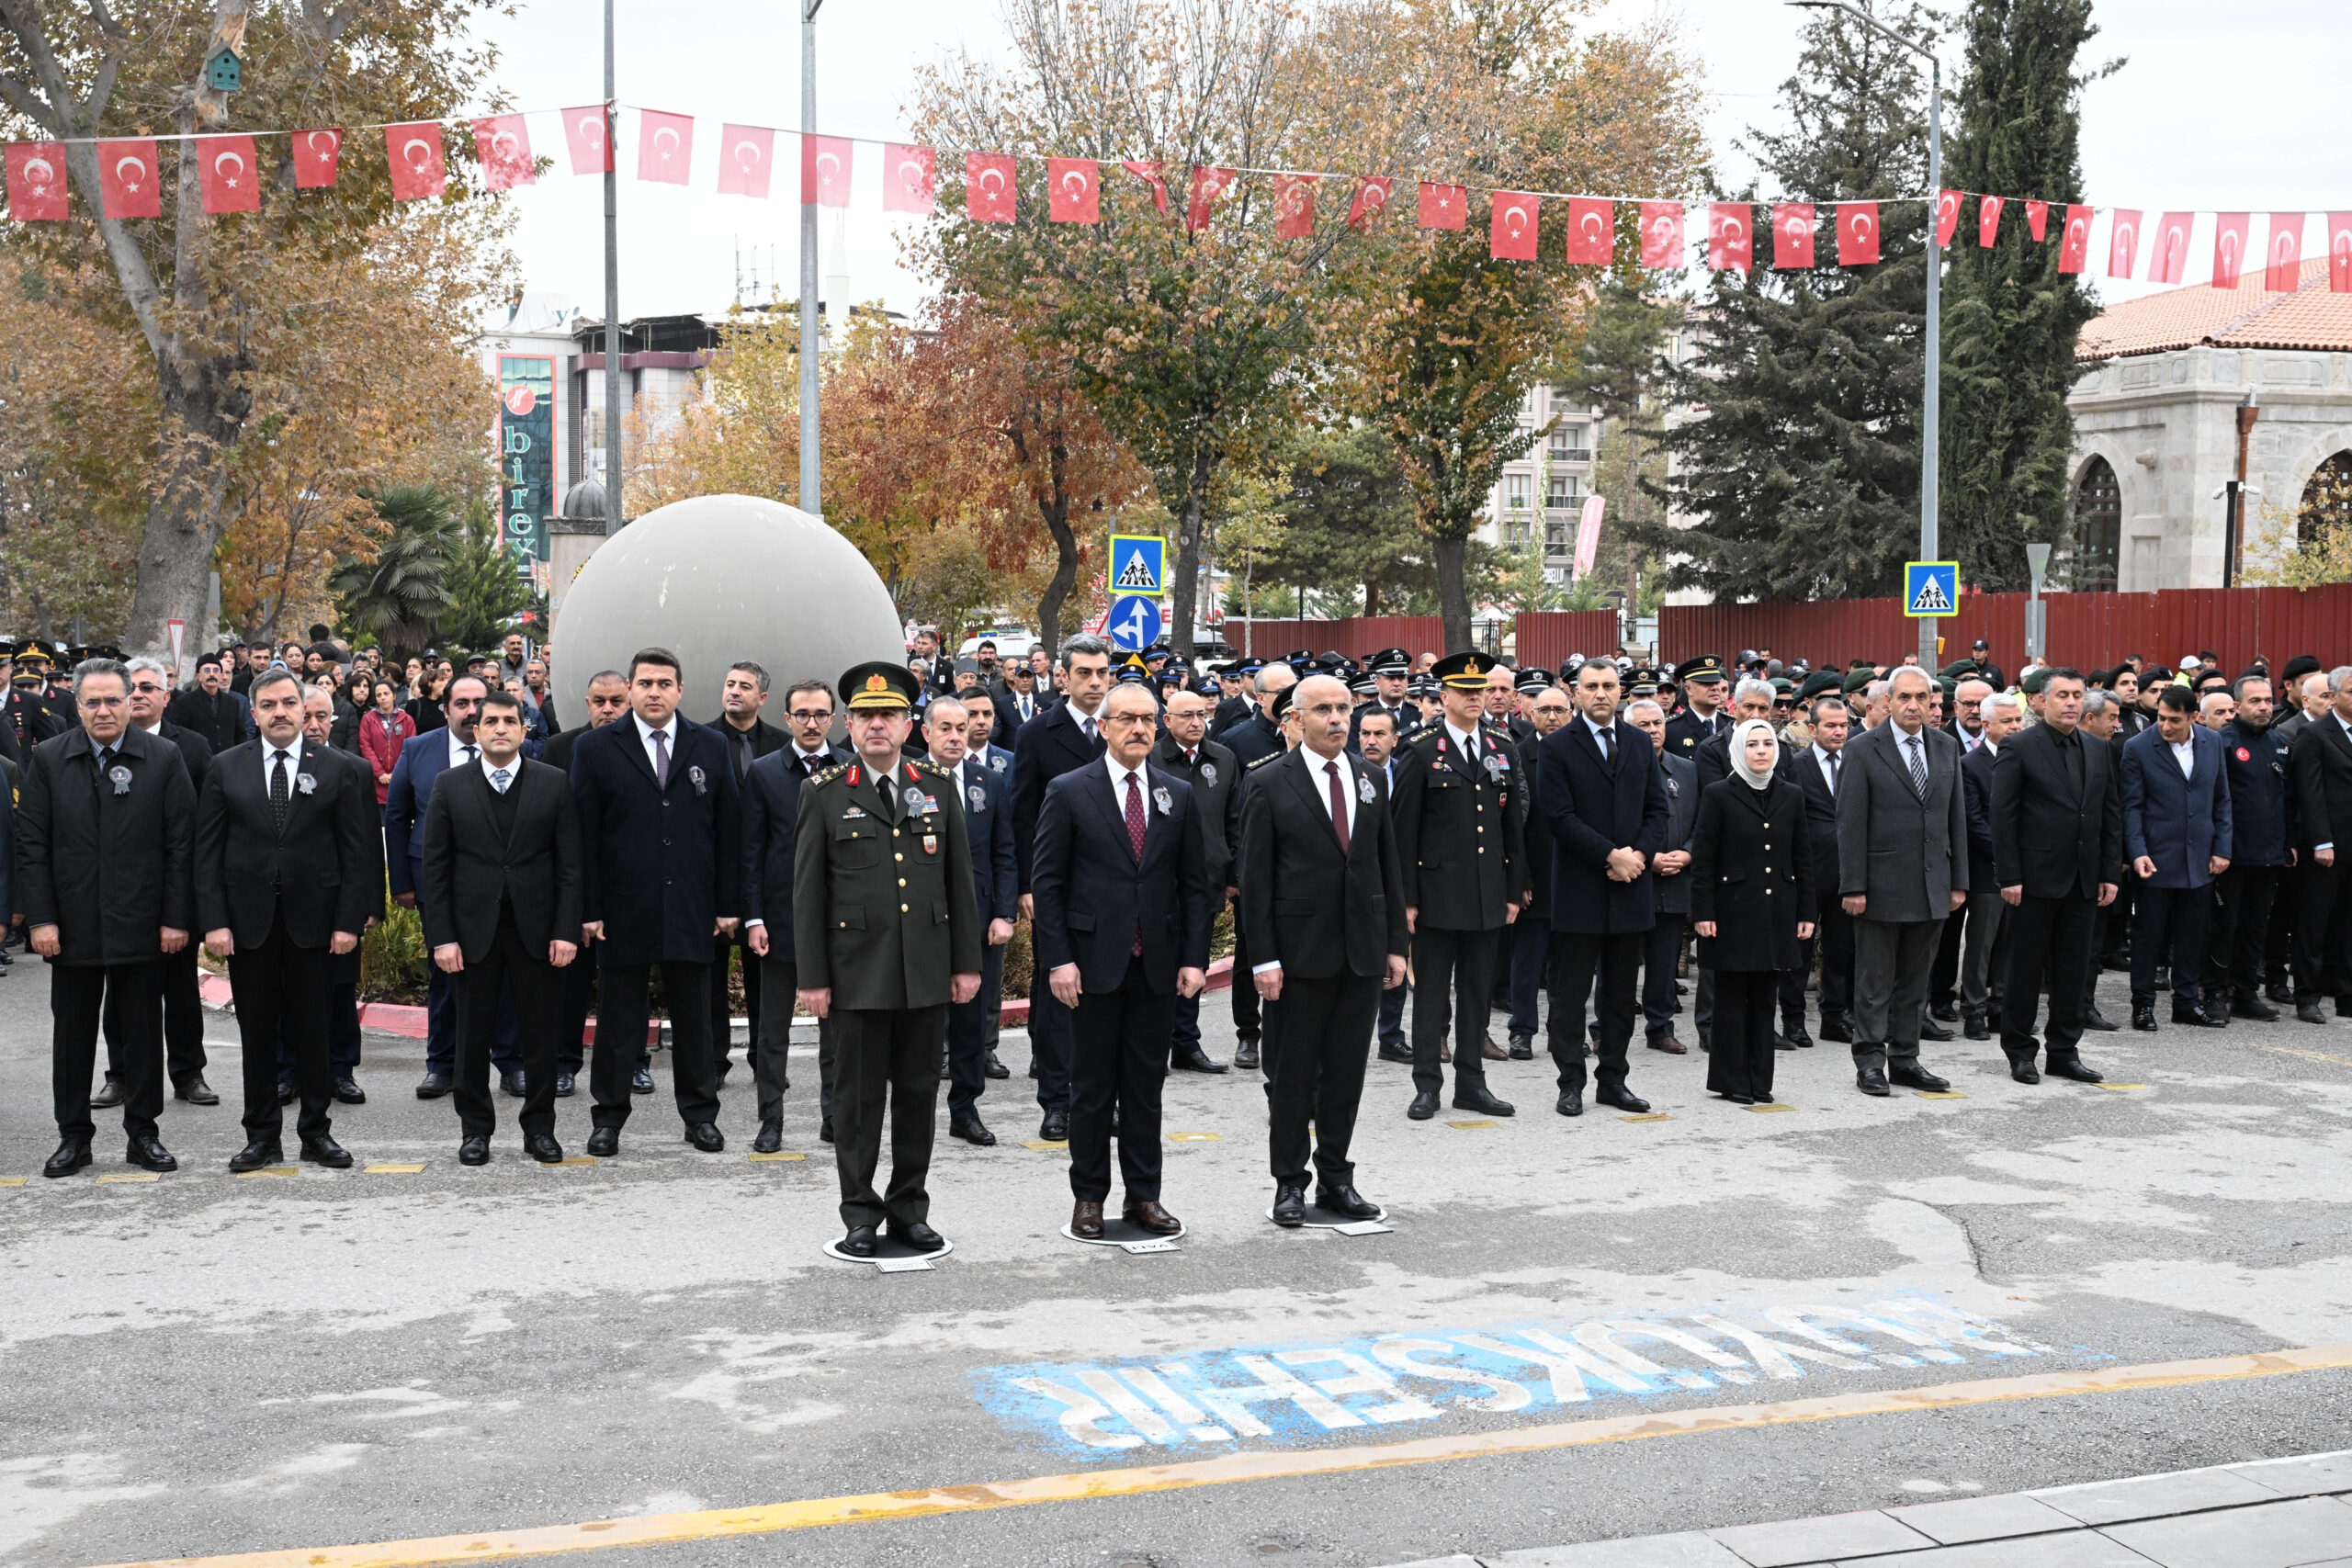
(1820,681)
(1859,680)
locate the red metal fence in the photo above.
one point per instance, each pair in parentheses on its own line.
(1355,637)
(1548,637)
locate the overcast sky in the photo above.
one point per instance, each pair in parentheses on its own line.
(2222,106)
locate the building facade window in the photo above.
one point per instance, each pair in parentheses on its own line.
(2098,530)
(1564,490)
(2327,502)
(1518,490)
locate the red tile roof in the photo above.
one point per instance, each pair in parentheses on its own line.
(2243,317)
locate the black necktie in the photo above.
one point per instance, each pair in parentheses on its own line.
(281,789)
(1607,752)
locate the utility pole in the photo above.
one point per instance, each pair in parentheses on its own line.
(613,515)
(811,471)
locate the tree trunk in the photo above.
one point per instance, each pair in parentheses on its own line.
(203,413)
(1453,592)
(1049,604)
(1182,587)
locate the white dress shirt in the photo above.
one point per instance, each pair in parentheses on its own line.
(1603,736)
(1464,739)
(1120,774)
(669,740)
(462,752)
(1829,768)
(1348,797)
(269,763)
(2185,753)
(514,770)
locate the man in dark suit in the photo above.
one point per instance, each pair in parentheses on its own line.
(1216,777)
(1260,734)
(662,853)
(1903,869)
(1604,799)
(2321,768)
(749,738)
(282,867)
(345,1039)
(221,717)
(2176,832)
(1252,737)
(2254,757)
(1017,701)
(1817,770)
(1982,967)
(501,878)
(1662,945)
(1527,947)
(104,829)
(1321,886)
(2058,848)
(607,701)
(1376,742)
(988,822)
(1233,703)
(1121,885)
(1064,736)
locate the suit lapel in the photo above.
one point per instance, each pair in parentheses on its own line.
(633,743)
(1113,809)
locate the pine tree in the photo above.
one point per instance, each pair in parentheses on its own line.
(1799,471)
(2010,319)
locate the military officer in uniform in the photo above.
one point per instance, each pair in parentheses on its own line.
(1461,812)
(1391,667)
(1704,685)
(876,835)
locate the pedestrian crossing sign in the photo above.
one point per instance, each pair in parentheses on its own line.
(1138,563)
(1930,587)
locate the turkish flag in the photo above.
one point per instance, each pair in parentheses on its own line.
(665,146)
(2169,251)
(825,164)
(1988,220)
(1073,190)
(987,186)
(419,167)
(2284,254)
(2122,242)
(503,144)
(1792,235)
(1372,192)
(1293,207)
(1664,241)
(1511,220)
(587,133)
(2231,232)
(1148,170)
(1592,231)
(1731,241)
(2037,219)
(2339,244)
(1856,233)
(1208,185)
(226,166)
(129,186)
(2074,245)
(1444,206)
(35,181)
(910,180)
(316,152)
(1947,216)
(746,160)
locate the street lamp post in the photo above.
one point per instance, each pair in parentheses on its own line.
(1931,415)
(811,498)
(612,514)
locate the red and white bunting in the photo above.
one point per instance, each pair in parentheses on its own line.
(1731,236)
(1857,235)
(420,169)
(2037,220)
(1988,220)
(1074,190)
(1148,170)
(1513,219)
(129,184)
(1947,217)
(587,131)
(2122,241)
(1372,192)
(665,146)
(2339,247)
(825,166)
(988,187)
(2075,243)
(910,180)
(503,142)
(2169,252)
(1209,185)
(1444,206)
(1792,223)
(2231,232)
(1665,237)
(228,168)
(746,160)
(316,155)
(2283,255)
(1293,207)
(37,180)
(1592,231)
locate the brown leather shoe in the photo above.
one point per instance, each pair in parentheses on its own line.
(1152,1217)
(1492,1052)
(1669,1044)
(1086,1221)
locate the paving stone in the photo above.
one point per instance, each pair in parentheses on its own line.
(2301,1476)
(1867,1534)
(1689,1549)
(2154,1496)
(1456,1561)
(1958,1520)
(2292,1534)
(2076,1549)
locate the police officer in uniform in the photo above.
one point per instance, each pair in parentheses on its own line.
(880,834)
(1704,685)
(1391,668)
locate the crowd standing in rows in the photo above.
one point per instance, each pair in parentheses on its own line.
(1948,852)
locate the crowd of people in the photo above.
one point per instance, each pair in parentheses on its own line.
(1907,855)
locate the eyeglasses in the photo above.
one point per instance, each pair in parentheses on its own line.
(809,715)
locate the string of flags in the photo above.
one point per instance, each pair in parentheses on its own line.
(130,179)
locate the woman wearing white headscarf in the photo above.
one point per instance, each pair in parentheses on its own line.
(1751,892)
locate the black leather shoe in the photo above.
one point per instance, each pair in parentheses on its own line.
(511,1084)
(1836,1034)
(72,1154)
(323,1150)
(1522,1047)
(2198,1018)
(971,1129)
(542,1146)
(2024,1072)
(2073,1068)
(1783,1043)
(564,1086)
(255,1156)
(2309,1013)
(995,1068)
(1245,1055)
(1930,1029)
(1424,1106)
(2144,1016)
(1486,1104)
(110,1094)
(1972,1027)
(1800,1039)
(1872,1081)
(1624,1100)
(348,1093)
(1197,1062)
(433,1086)
(1403,1054)
(2093,1019)
(1346,1201)
(285,1089)
(771,1138)
(706,1137)
(473,1151)
(1053,1127)
(2164,977)
(605,1141)
(196,1091)
(1570,1104)
(1290,1206)
(916,1234)
(1944,1012)
(860,1242)
(2254,1008)
(641,1082)
(147,1153)
(1911,1075)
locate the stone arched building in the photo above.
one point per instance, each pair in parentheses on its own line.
(2156,424)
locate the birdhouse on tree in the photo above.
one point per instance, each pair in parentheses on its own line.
(223,72)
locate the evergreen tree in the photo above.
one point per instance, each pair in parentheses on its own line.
(1800,472)
(1348,522)
(2010,319)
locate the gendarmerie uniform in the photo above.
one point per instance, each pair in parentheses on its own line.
(882,916)
(1686,731)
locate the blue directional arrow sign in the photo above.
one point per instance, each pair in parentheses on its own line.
(1134,622)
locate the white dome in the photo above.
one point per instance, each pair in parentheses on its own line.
(720,579)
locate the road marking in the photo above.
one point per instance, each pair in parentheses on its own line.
(572,1160)
(1472,1126)
(783,1154)
(773,1518)
(1652,1116)
(12,1180)
(1196,1137)
(1768,1110)
(126,1175)
(2118,1088)
(2307,1056)
(1045,1145)
(394,1171)
(1938,1094)
(270,1170)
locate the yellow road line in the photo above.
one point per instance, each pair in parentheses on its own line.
(655,1529)
(2307,1056)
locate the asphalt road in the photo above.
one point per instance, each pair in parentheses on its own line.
(207,1365)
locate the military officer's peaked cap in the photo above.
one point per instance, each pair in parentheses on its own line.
(1389,662)
(879,685)
(1706,667)
(1464,671)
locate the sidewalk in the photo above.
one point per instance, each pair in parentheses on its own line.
(2284,1513)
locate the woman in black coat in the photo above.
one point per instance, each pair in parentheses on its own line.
(1751,884)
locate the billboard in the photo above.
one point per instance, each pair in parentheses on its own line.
(526,454)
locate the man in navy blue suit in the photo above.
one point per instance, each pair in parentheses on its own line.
(988,823)
(2176,831)
(661,839)
(1065,736)
(424,759)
